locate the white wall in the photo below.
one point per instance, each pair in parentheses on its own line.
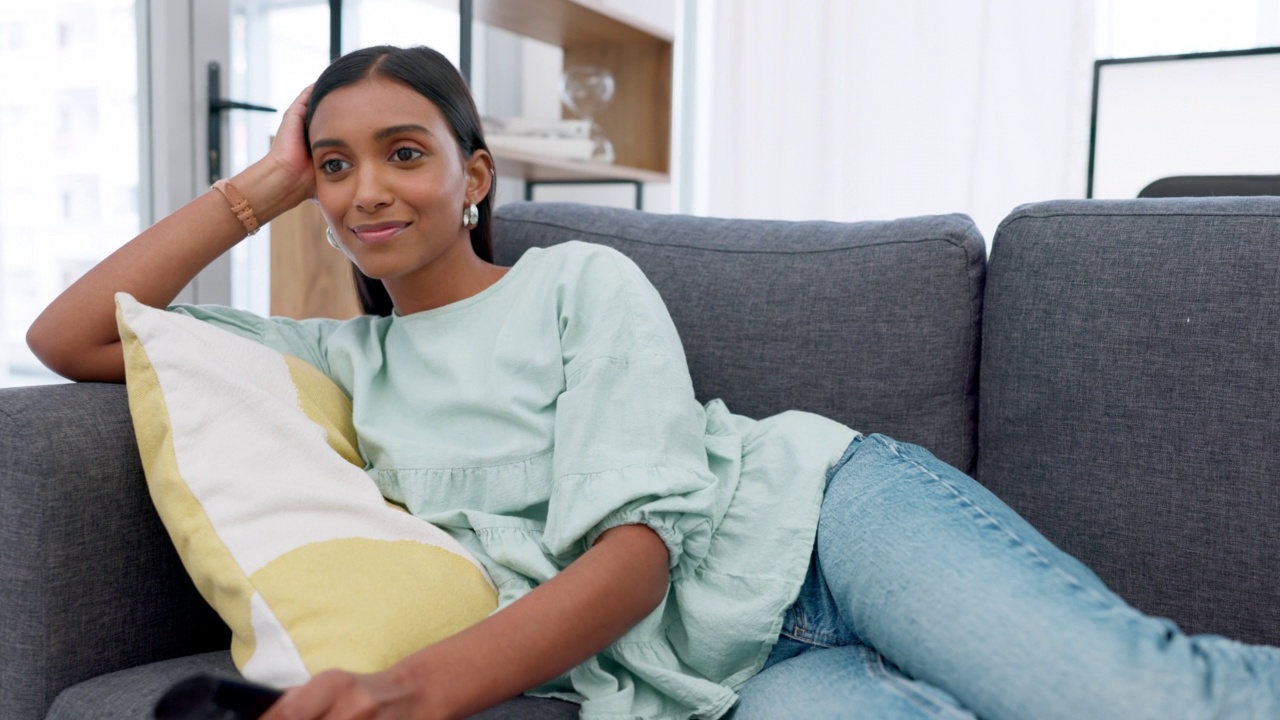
(864,109)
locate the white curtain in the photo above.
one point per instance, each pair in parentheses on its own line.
(876,109)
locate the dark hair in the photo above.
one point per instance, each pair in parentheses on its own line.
(431,75)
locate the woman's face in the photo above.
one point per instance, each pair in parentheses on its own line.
(391,179)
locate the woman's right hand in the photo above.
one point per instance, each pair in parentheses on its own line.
(289,149)
(76,336)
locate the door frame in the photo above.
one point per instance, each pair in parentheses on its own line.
(176,41)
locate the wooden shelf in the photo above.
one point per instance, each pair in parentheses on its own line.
(637,120)
(567,22)
(533,166)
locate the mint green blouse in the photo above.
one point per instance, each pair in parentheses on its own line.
(528,419)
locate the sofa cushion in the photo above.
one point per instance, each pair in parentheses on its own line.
(132,694)
(1131,398)
(873,324)
(251,459)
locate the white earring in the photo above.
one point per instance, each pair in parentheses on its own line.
(333,241)
(470,216)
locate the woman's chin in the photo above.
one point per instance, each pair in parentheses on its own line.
(374,271)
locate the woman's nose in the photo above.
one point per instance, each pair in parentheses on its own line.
(371,192)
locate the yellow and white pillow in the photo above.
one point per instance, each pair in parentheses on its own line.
(252,463)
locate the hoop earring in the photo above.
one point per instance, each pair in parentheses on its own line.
(333,242)
(470,216)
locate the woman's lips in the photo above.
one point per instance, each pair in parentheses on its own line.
(380,232)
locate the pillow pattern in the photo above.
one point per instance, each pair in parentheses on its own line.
(251,460)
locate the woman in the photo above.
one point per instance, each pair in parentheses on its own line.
(654,557)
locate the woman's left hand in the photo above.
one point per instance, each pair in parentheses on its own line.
(545,633)
(339,695)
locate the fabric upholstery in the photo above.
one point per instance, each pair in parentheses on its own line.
(872,324)
(1130,401)
(132,694)
(82,549)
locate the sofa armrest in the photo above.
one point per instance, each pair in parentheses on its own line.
(90,581)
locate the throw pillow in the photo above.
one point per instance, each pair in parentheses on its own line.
(252,463)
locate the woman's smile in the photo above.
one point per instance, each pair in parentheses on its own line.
(373,233)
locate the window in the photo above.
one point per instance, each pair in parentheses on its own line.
(69,155)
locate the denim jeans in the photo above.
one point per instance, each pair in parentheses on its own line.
(929,598)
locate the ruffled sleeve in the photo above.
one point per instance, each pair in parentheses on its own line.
(629,445)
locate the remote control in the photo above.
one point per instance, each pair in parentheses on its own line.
(204,697)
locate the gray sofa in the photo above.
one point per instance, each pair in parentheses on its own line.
(1112,371)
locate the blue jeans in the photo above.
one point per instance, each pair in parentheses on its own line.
(929,598)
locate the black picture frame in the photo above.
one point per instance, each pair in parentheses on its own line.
(1100,64)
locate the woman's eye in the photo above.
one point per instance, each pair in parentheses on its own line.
(405,154)
(333,166)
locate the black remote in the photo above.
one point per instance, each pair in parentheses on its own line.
(204,697)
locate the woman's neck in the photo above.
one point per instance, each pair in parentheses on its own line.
(444,281)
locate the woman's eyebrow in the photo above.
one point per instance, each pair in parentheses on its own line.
(382,134)
(385,133)
(327,142)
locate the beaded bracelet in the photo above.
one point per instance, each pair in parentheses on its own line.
(239,205)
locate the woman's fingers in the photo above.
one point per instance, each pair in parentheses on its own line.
(296,114)
(338,695)
(304,702)
(290,146)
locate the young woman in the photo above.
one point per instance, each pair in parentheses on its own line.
(655,557)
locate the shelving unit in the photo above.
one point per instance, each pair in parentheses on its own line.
(532,166)
(638,120)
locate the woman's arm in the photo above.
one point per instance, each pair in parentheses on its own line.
(76,335)
(558,625)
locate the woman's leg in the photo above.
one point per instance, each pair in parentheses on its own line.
(846,683)
(949,584)
(819,669)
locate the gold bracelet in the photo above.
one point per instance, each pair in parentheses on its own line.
(239,205)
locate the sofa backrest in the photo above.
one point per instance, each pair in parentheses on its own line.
(1130,404)
(874,324)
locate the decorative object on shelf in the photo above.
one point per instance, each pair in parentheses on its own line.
(568,139)
(637,120)
(586,90)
